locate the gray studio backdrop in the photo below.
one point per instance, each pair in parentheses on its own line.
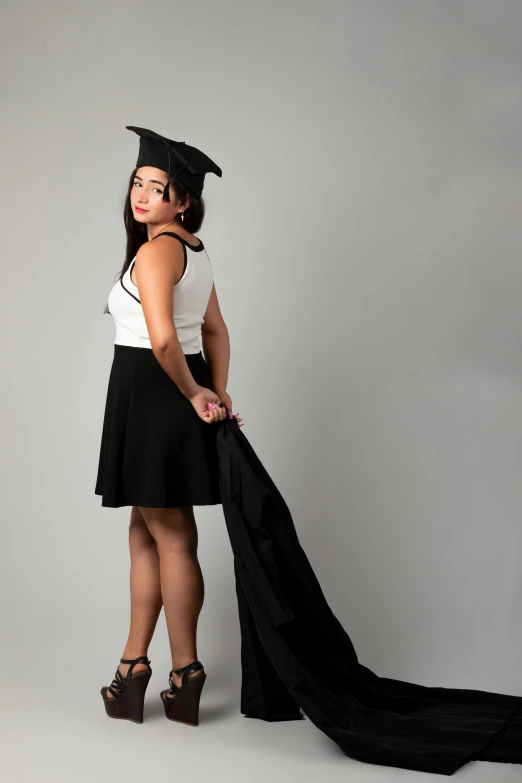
(365,238)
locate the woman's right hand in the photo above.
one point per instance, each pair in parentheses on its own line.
(206,404)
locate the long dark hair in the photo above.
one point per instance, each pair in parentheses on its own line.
(137,232)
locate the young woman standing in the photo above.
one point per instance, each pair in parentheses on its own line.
(158,449)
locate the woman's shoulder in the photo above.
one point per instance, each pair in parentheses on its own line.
(166,247)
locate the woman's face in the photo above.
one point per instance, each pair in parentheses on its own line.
(146,197)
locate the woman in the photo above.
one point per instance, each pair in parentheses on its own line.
(158,454)
(158,447)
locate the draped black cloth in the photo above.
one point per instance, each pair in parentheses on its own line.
(295,654)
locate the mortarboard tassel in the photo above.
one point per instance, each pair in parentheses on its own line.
(166,193)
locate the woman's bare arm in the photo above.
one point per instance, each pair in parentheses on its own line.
(216,344)
(158,266)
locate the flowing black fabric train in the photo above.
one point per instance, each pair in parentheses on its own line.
(295,655)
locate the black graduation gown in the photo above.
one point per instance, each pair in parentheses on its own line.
(295,655)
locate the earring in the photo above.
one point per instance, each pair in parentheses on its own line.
(182,218)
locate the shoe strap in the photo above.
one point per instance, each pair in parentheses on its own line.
(184,671)
(133,662)
(120,682)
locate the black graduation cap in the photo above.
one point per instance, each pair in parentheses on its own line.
(189,164)
(296,655)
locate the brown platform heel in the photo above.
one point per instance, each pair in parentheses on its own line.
(181,702)
(128,692)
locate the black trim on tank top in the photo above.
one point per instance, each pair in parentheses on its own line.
(129,292)
(196,248)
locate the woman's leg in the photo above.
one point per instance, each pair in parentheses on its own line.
(182,586)
(145,591)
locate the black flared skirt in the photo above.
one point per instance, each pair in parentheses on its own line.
(155,450)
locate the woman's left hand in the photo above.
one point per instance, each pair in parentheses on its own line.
(226,399)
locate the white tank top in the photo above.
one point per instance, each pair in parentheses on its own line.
(191,295)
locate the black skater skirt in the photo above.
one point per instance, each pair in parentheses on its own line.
(155,450)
